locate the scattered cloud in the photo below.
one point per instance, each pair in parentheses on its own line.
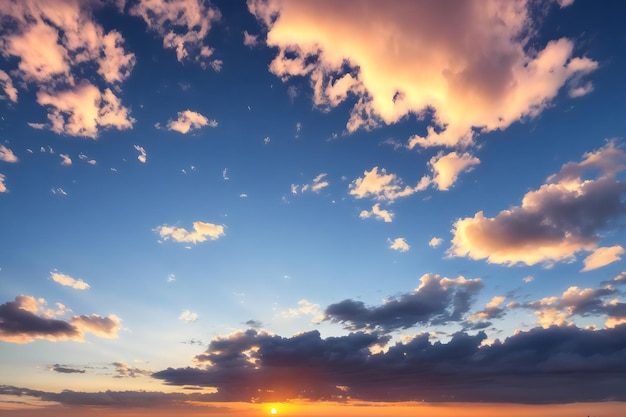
(492,310)
(183,25)
(446,168)
(419,67)
(64,369)
(189,120)
(7,155)
(25,320)
(318,183)
(243,195)
(528,279)
(68,281)
(3,187)
(201,232)
(6,83)
(555,222)
(143,156)
(225,174)
(305,308)
(123,370)
(399,244)
(266,140)
(250,40)
(378,213)
(37,126)
(434,242)
(58,191)
(382,186)
(602,256)
(65,160)
(188,316)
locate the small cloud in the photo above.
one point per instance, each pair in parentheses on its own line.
(602,257)
(580,91)
(7,155)
(217,64)
(171,278)
(378,213)
(298,129)
(65,160)
(68,281)
(64,369)
(292,92)
(201,231)
(316,185)
(123,370)
(225,174)
(255,324)
(188,316)
(266,140)
(6,83)
(304,308)
(435,241)
(528,279)
(243,195)
(58,191)
(38,126)
(189,120)
(142,157)
(249,40)
(398,244)
(3,187)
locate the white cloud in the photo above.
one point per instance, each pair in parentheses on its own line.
(318,183)
(58,191)
(243,195)
(495,77)
(528,279)
(38,126)
(266,140)
(201,232)
(305,308)
(399,244)
(68,281)
(143,156)
(602,256)
(189,120)
(7,155)
(183,24)
(65,160)
(446,168)
(435,241)
(188,316)
(381,186)
(225,174)
(378,213)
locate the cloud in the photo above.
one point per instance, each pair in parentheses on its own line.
(183,24)
(446,168)
(84,111)
(64,369)
(434,242)
(3,187)
(123,370)
(378,213)
(382,186)
(305,308)
(25,320)
(7,155)
(602,257)
(497,76)
(555,222)
(398,244)
(492,310)
(555,365)
(250,40)
(6,83)
(68,281)
(436,301)
(188,316)
(143,156)
(528,279)
(201,231)
(189,120)
(318,183)
(65,160)
(225,174)
(58,191)
(54,41)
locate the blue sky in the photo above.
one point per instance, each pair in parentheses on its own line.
(192,191)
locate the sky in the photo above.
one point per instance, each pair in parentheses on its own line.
(312,208)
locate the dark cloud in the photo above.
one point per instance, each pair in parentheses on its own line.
(255,324)
(123,370)
(436,301)
(64,369)
(554,365)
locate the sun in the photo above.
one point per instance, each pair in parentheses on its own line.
(273,411)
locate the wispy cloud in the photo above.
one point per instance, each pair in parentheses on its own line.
(602,257)
(68,281)
(7,155)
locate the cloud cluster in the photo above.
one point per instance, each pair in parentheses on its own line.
(437,300)
(408,60)
(554,365)
(318,183)
(563,217)
(26,319)
(201,232)
(52,42)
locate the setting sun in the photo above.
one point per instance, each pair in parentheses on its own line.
(273,411)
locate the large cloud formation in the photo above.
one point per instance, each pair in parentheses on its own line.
(465,67)
(27,319)
(555,365)
(563,217)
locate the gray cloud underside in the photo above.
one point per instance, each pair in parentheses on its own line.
(554,365)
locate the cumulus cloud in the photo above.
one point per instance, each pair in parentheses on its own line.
(555,222)
(437,300)
(183,25)
(378,214)
(65,160)
(26,319)
(398,244)
(554,365)
(602,257)
(497,76)
(446,168)
(189,120)
(200,233)
(6,83)
(188,316)
(435,241)
(50,40)
(382,186)
(143,156)
(68,281)
(7,155)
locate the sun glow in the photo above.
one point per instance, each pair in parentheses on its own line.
(273,411)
